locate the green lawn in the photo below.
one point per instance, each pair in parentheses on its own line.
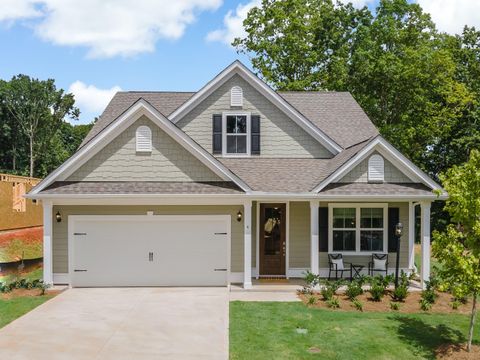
(16,307)
(262,330)
(36,274)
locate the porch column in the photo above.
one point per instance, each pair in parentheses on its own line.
(314,204)
(425,274)
(411,235)
(247,245)
(47,242)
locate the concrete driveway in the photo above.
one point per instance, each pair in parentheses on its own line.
(123,323)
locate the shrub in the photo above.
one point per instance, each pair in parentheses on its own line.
(357,304)
(395,306)
(311,281)
(354,289)
(455,304)
(400,293)
(425,305)
(311,300)
(333,303)
(329,289)
(377,291)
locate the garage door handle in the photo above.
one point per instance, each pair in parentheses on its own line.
(219,269)
(220,233)
(79,233)
(80,270)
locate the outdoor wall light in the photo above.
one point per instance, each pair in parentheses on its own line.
(239,216)
(58,216)
(398,229)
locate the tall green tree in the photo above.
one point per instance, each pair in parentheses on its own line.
(393,61)
(458,248)
(38,108)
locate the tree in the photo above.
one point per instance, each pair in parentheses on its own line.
(302,44)
(38,109)
(458,248)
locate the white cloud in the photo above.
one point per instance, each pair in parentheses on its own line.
(90,99)
(233,24)
(452,15)
(18,9)
(112,27)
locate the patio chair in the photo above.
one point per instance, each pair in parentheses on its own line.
(379,263)
(337,265)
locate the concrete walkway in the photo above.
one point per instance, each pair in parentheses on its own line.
(123,323)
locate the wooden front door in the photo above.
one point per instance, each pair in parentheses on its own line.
(272,239)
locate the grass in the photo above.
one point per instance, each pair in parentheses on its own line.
(418,259)
(10,309)
(30,276)
(267,330)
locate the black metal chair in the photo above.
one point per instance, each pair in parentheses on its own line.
(371,265)
(333,266)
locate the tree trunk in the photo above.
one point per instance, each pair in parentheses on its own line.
(472,322)
(31,156)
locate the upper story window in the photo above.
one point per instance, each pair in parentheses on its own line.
(143,139)
(236,96)
(376,168)
(358,228)
(236,134)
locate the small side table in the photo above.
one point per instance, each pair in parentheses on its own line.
(355,270)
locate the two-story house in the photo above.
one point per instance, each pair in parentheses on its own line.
(228,184)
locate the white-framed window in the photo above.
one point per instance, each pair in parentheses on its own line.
(357,228)
(376,168)
(236,134)
(236,96)
(143,137)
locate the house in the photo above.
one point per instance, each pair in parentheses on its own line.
(233,182)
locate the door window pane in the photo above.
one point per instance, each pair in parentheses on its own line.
(272,231)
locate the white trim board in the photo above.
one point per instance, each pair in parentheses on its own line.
(238,68)
(391,154)
(138,109)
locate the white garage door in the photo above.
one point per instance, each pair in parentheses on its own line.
(156,250)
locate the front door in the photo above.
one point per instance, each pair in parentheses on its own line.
(272,239)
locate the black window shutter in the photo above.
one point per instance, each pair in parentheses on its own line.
(217,134)
(255,135)
(393,219)
(323,229)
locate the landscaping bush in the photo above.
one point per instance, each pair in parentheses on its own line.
(311,300)
(400,293)
(394,306)
(329,289)
(333,303)
(354,289)
(425,305)
(357,304)
(311,281)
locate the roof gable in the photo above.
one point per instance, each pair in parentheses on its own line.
(238,68)
(137,110)
(380,145)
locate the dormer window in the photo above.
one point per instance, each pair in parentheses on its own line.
(376,169)
(236,96)
(143,139)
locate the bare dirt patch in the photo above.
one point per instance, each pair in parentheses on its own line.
(457,352)
(410,305)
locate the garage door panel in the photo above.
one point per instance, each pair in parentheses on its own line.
(185,251)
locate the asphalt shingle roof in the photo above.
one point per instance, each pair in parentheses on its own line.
(141,187)
(387,189)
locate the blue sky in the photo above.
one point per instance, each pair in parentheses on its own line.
(96,47)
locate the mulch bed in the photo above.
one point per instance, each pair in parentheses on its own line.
(26,293)
(457,352)
(410,305)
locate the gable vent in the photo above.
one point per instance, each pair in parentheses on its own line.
(376,169)
(144,139)
(236,96)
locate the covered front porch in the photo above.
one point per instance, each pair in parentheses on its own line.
(283,239)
